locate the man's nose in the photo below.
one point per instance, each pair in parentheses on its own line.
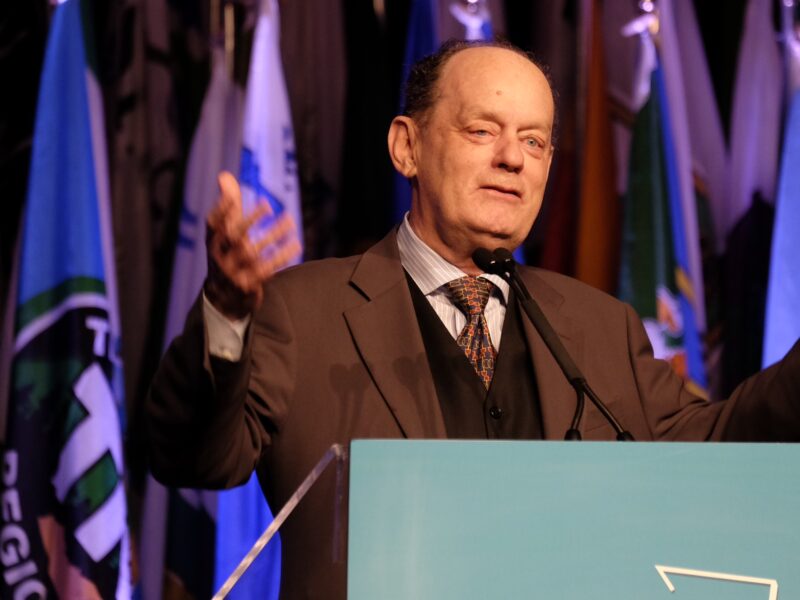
(509,155)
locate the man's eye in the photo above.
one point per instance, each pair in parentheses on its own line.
(480,132)
(532,143)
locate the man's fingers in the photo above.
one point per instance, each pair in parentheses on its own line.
(248,275)
(228,214)
(262,210)
(238,267)
(247,256)
(281,228)
(281,258)
(228,209)
(243,252)
(230,192)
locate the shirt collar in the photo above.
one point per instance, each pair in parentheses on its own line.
(429,270)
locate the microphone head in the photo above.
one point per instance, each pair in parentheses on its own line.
(485,260)
(505,260)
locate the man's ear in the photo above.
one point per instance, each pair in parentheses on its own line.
(402,140)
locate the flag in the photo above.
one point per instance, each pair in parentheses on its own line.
(268,172)
(599,209)
(682,190)
(782,322)
(756,115)
(653,273)
(758,99)
(475,18)
(268,168)
(216,146)
(178,530)
(710,177)
(63,489)
(422,39)
(558,37)
(709,156)
(472,22)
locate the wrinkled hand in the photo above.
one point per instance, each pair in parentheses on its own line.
(237,269)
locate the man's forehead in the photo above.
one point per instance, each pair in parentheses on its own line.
(488,62)
(478,75)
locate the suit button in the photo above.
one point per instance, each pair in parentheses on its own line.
(495,412)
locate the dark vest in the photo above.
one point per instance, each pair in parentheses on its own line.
(510,408)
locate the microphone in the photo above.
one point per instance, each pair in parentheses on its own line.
(501,262)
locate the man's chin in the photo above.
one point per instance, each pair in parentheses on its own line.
(501,233)
(494,240)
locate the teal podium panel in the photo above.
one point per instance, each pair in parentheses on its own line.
(462,520)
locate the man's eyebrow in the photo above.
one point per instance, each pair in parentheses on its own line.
(483,114)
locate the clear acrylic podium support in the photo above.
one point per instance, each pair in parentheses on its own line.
(337,455)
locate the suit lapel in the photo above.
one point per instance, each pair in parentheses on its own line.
(384,330)
(556,396)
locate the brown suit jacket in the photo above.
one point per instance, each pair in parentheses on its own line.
(335,353)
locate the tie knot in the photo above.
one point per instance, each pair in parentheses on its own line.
(470,294)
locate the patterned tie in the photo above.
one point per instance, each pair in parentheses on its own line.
(471,294)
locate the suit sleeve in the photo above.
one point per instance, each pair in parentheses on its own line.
(207,425)
(765,407)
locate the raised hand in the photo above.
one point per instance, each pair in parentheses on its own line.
(238,266)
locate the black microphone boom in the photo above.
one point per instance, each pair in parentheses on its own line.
(501,262)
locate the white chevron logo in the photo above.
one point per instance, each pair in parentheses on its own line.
(663,570)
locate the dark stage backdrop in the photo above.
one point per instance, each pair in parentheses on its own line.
(343,63)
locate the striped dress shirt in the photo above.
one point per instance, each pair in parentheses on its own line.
(431,272)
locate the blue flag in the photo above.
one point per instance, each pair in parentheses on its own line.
(64,498)
(782,321)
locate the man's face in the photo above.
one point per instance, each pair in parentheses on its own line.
(482,153)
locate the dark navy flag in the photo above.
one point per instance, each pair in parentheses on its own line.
(422,39)
(64,516)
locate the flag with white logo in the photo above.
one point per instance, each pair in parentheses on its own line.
(64,516)
(268,168)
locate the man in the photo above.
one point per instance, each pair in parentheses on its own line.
(273,369)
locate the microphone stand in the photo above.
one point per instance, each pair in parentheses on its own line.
(501,262)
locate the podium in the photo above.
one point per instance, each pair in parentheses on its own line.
(573,520)
(601,520)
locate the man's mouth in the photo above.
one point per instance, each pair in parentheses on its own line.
(504,190)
